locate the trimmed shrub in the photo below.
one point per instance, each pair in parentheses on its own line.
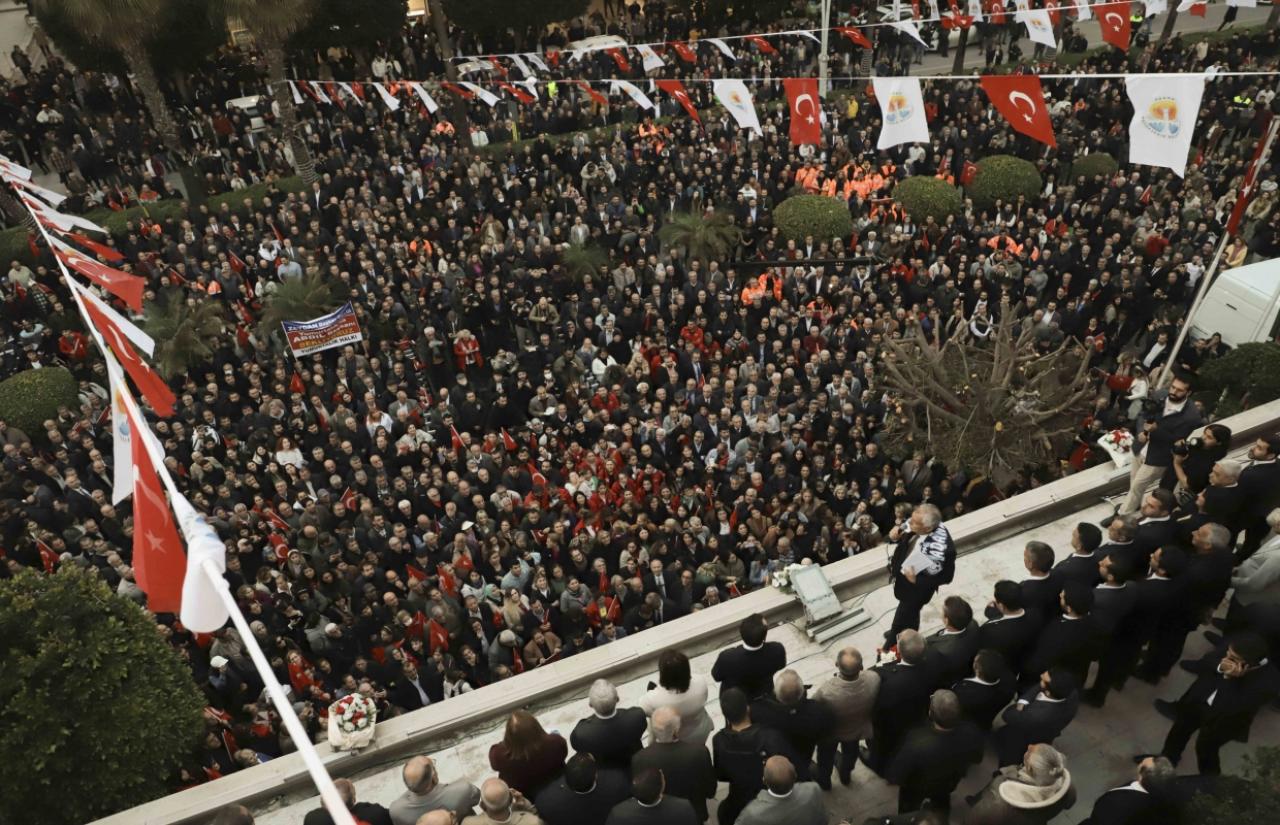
(818,215)
(1004,178)
(1247,376)
(99,709)
(1094,164)
(925,196)
(32,397)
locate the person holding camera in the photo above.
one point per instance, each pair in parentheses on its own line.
(1193,459)
(1170,419)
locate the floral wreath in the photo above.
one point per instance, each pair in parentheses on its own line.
(354,713)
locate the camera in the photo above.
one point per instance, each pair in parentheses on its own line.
(1185,447)
(1151,407)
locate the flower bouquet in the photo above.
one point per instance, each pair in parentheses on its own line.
(781,577)
(1119,445)
(351,721)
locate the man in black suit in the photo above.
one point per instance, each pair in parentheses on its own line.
(1231,686)
(950,651)
(1067,641)
(1260,484)
(362,811)
(923,561)
(1156,526)
(686,766)
(1173,421)
(935,756)
(903,699)
(987,691)
(1011,628)
(584,795)
(1082,564)
(1201,587)
(1040,588)
(802,721)
(414,688)
(650,805)
(1114,599)
(1121,544)
(610,734)
(1140,802)
(1038,717)
(740,751)
(752,665)
(665,583)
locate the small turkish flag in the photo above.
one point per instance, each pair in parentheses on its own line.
(296,385)
(1113,19)
(456,439)
(677,90)
(619,58)
(103,251)
(147,380)
(592,93)
(763,45)
(968,173)
(1020,100)
(124,286)
(47,557)
(802,94)
(348,499)
(457,90)
(855,35)
(519,94)
(507,441)
(686,53)
(1199,9)
(159,562)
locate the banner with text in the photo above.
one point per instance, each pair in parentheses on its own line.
(336,329)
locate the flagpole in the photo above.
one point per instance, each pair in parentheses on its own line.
(324,783)
(1212,272)
(823,57)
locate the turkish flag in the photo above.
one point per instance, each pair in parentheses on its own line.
(619,58)
(1020,100)
(456,440)
(103,251)
(1113,18)
(968,173)
(855,35)
(159,562)
(763,45)
(348,499)
(1199,9)
(802,95)
(147,380)
(124,286)
(686,53)
(457,90)
(592,93)
(47,557)
(507,441)
(677,90)
(519,94)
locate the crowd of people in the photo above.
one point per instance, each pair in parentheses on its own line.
(631,445)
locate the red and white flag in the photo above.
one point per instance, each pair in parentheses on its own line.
(806,124)
(348,499)
(159,562)
(508,442)
(1020,100)
(855,35)
(126,287)
(1251,177)
(677,90)
(763,45)
(1113,19)
(120,336)
(455,440)
(686,53)
(592,93)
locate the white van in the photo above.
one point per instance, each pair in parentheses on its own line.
(1243,305)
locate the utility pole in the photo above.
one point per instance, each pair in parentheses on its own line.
(823,58)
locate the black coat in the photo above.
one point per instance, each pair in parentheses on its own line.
(558,805)
(362,811)
(687,768)
(404,695)
(670,810)
(1152,535)
(901,703)
(750,670)
(1111,605)
(1011,636)
(926,584)
(981,702)
(611,741)
(1077,568)
(1169,430)
(950,655)
(1038,721)
(1235,701)
(739,757)
(803,725)
(932,762)
(1127,806)
(1261,486)
(1041,595)
(1064,642)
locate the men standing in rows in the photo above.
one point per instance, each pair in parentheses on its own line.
(785,800)
(950,651)
(1260,484)
(1040,588)
(1066,641)
(802,721)
(923,560)
(650,805)
(1082,565)
(750,666)
(987,691)
(935,756)
(740,751)
(851,696)
(686,766)
(584,795)
(424,792)
(1010,628)
(610,734)
(1038,717)
(902,701)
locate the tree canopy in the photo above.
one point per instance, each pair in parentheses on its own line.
(517,15)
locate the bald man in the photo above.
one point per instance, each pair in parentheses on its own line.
(361,811)
(784,801)
(425,793)
(440,817)
(499,805)
(802,721)
(686,766)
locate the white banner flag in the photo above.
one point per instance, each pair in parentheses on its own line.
(1155,7)
(806,33)
(901,111)
(121,437)
(202,609)
(1165,108)
(519,63)
(1040,28)
(489,98)
(425,97)
(642,100)
(723,47)
(537,61)
(1083,10)
(1020,9)
(1244,4)
(652,62)
(393,103)
(909,27)
(297,95)
(733,95)
(975,10)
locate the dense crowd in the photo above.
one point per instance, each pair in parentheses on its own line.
(631,445)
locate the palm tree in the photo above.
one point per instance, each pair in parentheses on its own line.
(126,25)
(185,330)
(272,25)
(297,299)
(702,236)
(581,260)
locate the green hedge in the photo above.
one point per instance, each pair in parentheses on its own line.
(32,397)
(1004,178)
(925,196)
(818,215)
(1247,376)
(99,710)
(1094,164)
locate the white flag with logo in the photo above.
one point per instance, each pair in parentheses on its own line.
(121,439)
(1165,108)
(642,100)
(975,10)
(901,111)
(733,95)
(1040,27)
(202,609)
(652,62)
(1155,7)
(723,47)
(1083,10)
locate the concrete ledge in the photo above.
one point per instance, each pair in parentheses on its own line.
(436,726)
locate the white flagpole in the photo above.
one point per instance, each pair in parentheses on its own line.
(324,783)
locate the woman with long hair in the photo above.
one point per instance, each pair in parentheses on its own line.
(528,758)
